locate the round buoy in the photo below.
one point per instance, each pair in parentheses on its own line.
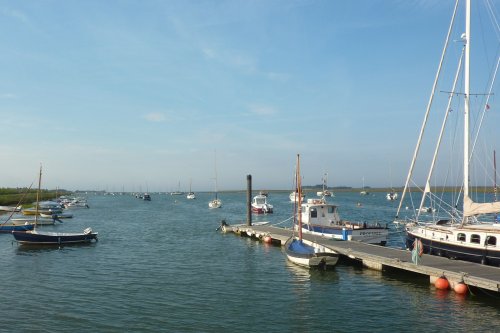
(442,283)
(461,288)
(267,239)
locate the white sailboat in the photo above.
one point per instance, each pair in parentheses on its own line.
(191,194)
(363,190)
(464,229)
(216,202)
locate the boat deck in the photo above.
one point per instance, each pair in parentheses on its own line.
(379,257)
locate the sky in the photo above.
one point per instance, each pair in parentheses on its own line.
(140,95)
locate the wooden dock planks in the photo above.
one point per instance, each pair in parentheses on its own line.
(376,257)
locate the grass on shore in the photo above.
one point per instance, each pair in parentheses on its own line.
(13,196)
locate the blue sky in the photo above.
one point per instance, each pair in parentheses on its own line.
(140,94)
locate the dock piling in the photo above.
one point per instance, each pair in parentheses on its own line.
(249,200)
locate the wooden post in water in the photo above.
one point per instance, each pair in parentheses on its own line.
(249,200)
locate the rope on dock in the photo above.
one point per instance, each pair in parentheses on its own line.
(288,219)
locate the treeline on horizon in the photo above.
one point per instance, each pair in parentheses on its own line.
(26,196)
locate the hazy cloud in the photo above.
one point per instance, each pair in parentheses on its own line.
(155,117)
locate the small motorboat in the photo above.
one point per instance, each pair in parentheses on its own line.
(260,205)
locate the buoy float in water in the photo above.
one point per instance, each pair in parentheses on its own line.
(267,239)
(461,288)
(442,283)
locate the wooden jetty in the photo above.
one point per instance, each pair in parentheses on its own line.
(379,257)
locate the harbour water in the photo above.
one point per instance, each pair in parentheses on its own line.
(160,266)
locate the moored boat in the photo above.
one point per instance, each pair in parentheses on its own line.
(9,226)
(322,218)
(300,251)
(54,238)
(260,205)
(463,227)
(38,237)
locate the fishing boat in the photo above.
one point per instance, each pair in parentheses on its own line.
(260,205)
(463,227)
(324,192)
(303,252)
(37,237)
(322,218)
(216,202)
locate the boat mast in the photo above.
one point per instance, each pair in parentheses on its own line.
(429,104)
(467,39)
(38,195)
(299,203)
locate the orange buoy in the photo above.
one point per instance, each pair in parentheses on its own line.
(267,239)
(461,288)
(442,283)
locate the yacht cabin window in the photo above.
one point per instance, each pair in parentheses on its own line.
(461,237)
(314,213)
(491,240)
(475,239)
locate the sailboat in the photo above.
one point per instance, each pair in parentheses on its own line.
(216,202)
(363,190)
(178,192)
(303,252)
(37,237)
(191,194)
(464,229)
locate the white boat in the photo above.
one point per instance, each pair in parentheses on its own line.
(324,192)
(57,216)
(260,205)
(303,252)
(178,192)
(216,202)
(322,219)
(465,228)
(191,194)
(10,208)
(392,196)
(294,196)
(364,191)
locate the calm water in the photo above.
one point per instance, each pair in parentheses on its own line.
(160,266)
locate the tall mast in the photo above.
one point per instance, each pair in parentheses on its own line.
(299,203)
(467,39)
(38,195)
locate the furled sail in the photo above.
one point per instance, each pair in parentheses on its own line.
(474,208)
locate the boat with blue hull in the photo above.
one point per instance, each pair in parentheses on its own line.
(300,251)
(462,225)
(54,238)
(7,228)
(37,237)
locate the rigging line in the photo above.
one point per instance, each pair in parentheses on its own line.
(440,137)
(431,98)
(485,108)
(493,17)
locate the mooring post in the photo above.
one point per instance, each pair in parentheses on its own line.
(249,200)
